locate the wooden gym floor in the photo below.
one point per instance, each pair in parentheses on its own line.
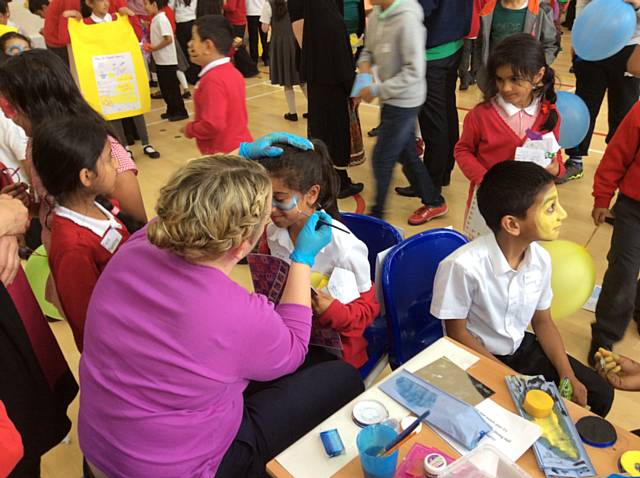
(266,106)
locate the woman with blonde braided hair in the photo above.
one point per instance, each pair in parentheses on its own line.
(172,342)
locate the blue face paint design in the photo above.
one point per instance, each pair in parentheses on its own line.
(14,50)
(285,205)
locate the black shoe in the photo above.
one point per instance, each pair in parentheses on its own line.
(178,117)
(407,192)
(464,85)
(164,115)
(156,96)
(186,95)
(291,116)
(150,151)
(373,133)
(305,115)
(153,84)
(350,190)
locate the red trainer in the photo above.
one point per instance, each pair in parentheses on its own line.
(426,213)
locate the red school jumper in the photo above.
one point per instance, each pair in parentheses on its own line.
(487,140)
(77,258)
(55,32)
(620,166)
(221,118)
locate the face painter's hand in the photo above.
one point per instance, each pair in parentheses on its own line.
(263,147)
(313,237)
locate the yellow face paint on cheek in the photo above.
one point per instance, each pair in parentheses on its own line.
(549,216)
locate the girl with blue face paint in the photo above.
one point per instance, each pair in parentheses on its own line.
(14,43)
(303,182)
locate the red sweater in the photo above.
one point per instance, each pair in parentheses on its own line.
(77,259)
(220,123)
(55,32)
(349,320)
(620,165)
(236,12)
(487,140)
(11,449)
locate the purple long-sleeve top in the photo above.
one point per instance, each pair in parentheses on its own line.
(169,347)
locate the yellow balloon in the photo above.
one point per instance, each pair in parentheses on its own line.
(572,278)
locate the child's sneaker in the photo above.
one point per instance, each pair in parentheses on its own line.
(427,213)
(573,170)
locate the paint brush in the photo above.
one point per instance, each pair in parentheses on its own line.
(320,221)
(404,436)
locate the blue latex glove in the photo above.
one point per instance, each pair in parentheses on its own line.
(362,81)
(263,147)
(313,237)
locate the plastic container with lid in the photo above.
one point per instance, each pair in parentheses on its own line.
(484,462)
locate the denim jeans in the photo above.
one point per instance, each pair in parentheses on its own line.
(619,295)
(397,143)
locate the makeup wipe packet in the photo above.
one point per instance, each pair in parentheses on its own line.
(448,415)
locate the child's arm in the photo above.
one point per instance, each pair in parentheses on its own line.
(457,330)
(211,121)
(467,147)
(166,41)
(349,319)
(553,347)
(620,153)
(75,276)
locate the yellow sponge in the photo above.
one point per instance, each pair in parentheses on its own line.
(538,404)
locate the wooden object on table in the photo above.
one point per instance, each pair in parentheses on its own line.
(492,374)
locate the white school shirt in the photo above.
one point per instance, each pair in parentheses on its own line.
(13,148)
(477,283)
(345,251)
(184,13)
(266,14)
(254,7)
(96,19)
(160,28)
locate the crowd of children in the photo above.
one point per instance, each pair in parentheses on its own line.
(174,352)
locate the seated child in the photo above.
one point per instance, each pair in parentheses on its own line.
(303,182)
(72,156)
(220,123)
(491,289)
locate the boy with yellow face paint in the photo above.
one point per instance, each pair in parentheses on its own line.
(488,291)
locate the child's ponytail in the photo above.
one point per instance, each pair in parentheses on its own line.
(548,93)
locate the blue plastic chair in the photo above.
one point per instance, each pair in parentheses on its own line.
(407,284)
(378,236)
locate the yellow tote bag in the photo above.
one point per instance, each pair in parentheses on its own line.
(110,68)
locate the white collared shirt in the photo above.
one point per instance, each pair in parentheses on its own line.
(510,109)
(96,19)
(98,226)
(477,283)
(160,28)
(345,251)
(518,119)
(213,64)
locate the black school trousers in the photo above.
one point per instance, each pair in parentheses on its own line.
(170,89)
(439,118)
(278,413)
(255,34)
(530,359)
(593,80)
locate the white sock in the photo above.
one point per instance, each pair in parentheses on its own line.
(183,80)
(290,95)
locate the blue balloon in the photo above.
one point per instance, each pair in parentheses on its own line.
(574,119)
(603,29)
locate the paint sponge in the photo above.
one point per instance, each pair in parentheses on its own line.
(538,404)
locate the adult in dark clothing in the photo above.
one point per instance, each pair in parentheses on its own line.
(327,66)
(447,22)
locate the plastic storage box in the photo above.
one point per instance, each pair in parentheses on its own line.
(484,462)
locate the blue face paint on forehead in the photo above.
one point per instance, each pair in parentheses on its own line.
(285,205)
(14,50)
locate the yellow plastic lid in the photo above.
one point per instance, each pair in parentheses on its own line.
(630,461)
(538,404)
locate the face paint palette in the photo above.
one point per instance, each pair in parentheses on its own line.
(596,432)
(369,412)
